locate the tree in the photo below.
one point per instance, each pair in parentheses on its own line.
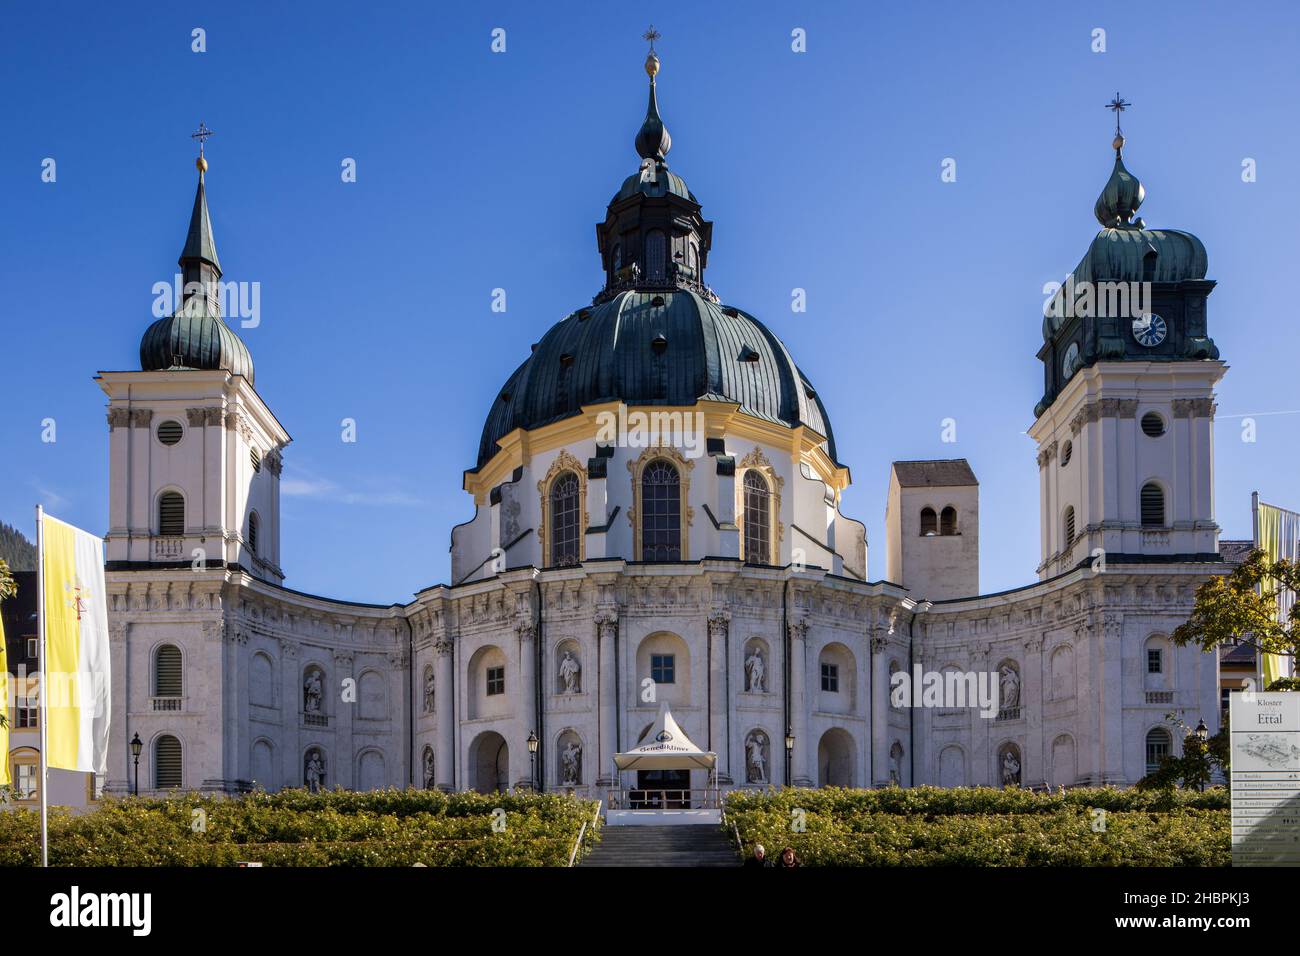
(1194,767)
(1243,607)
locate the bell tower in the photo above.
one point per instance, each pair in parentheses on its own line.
(195,454)
(1125,426)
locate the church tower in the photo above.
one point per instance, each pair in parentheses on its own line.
(195,454)
(1125,426)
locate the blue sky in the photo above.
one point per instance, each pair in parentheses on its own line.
(478,170)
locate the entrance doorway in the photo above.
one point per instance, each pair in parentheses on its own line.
(662,790)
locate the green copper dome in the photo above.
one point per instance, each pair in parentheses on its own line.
(643,348)
(192,338)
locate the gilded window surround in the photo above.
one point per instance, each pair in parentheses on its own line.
(757,461)
(683,466)
(563,462)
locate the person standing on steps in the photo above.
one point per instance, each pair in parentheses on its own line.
(759,859)
(787,859)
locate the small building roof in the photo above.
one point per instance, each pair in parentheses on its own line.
(1235,552)
(941,473)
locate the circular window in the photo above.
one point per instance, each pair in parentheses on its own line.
(1153,426)
(1066,451)
(169,432)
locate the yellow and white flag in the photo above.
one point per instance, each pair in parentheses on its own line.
(1278,536)
(75,671)
(4,708)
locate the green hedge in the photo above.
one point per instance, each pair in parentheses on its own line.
(980,826)
(296,828)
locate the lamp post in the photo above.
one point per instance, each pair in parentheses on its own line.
(532,760)
(1202,734)
(789,749)
(136,746)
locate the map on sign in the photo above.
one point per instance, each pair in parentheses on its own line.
(1265,778)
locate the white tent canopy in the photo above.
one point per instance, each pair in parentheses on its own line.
(667,748)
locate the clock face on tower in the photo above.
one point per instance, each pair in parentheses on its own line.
(1149,330)
(1070,362)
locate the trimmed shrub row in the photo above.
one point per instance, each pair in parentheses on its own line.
(928,826)
(296,828)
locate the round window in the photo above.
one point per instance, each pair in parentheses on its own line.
(1153,426)
(169,432)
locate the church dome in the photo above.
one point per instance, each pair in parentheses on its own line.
(656,334)
(655,348)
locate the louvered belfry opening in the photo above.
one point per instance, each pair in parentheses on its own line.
(167,763)
(167,672)
(948,520)
(1069,526)
(253,522)
(757,517)
(1153,506)
(661,513)
(171,514)
(565,521)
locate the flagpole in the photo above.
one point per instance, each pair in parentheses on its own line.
(41,686)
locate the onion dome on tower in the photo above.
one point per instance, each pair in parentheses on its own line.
(195,336)
(1156,277)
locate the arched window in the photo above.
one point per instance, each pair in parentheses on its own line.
(757,518)
(253,522)
(1069,526)
(656,255)
(171,514)
(929,522)
(948,520)
(1153,506)
(565,528)
(616,257)
(1158,747)
(166,763)
(167,680)
(661,513)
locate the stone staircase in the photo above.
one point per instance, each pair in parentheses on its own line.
(687,845)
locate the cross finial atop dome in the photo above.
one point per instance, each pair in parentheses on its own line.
(653,141)
(201,134)
(1123,192)
(1118,105)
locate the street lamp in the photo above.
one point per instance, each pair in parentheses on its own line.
(1202,731)
(532,760)
(136,746)
(789,749)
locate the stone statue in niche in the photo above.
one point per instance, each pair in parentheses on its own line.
(428,691)
(428,770)
(312,692)
(755,671)
(1010,767)
(571,673)
(315,771)
(571,764)
(756,757)
(896,764)
(1009,687)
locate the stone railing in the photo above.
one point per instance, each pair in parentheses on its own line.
(166,703)
(1160,697)
(168,549)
